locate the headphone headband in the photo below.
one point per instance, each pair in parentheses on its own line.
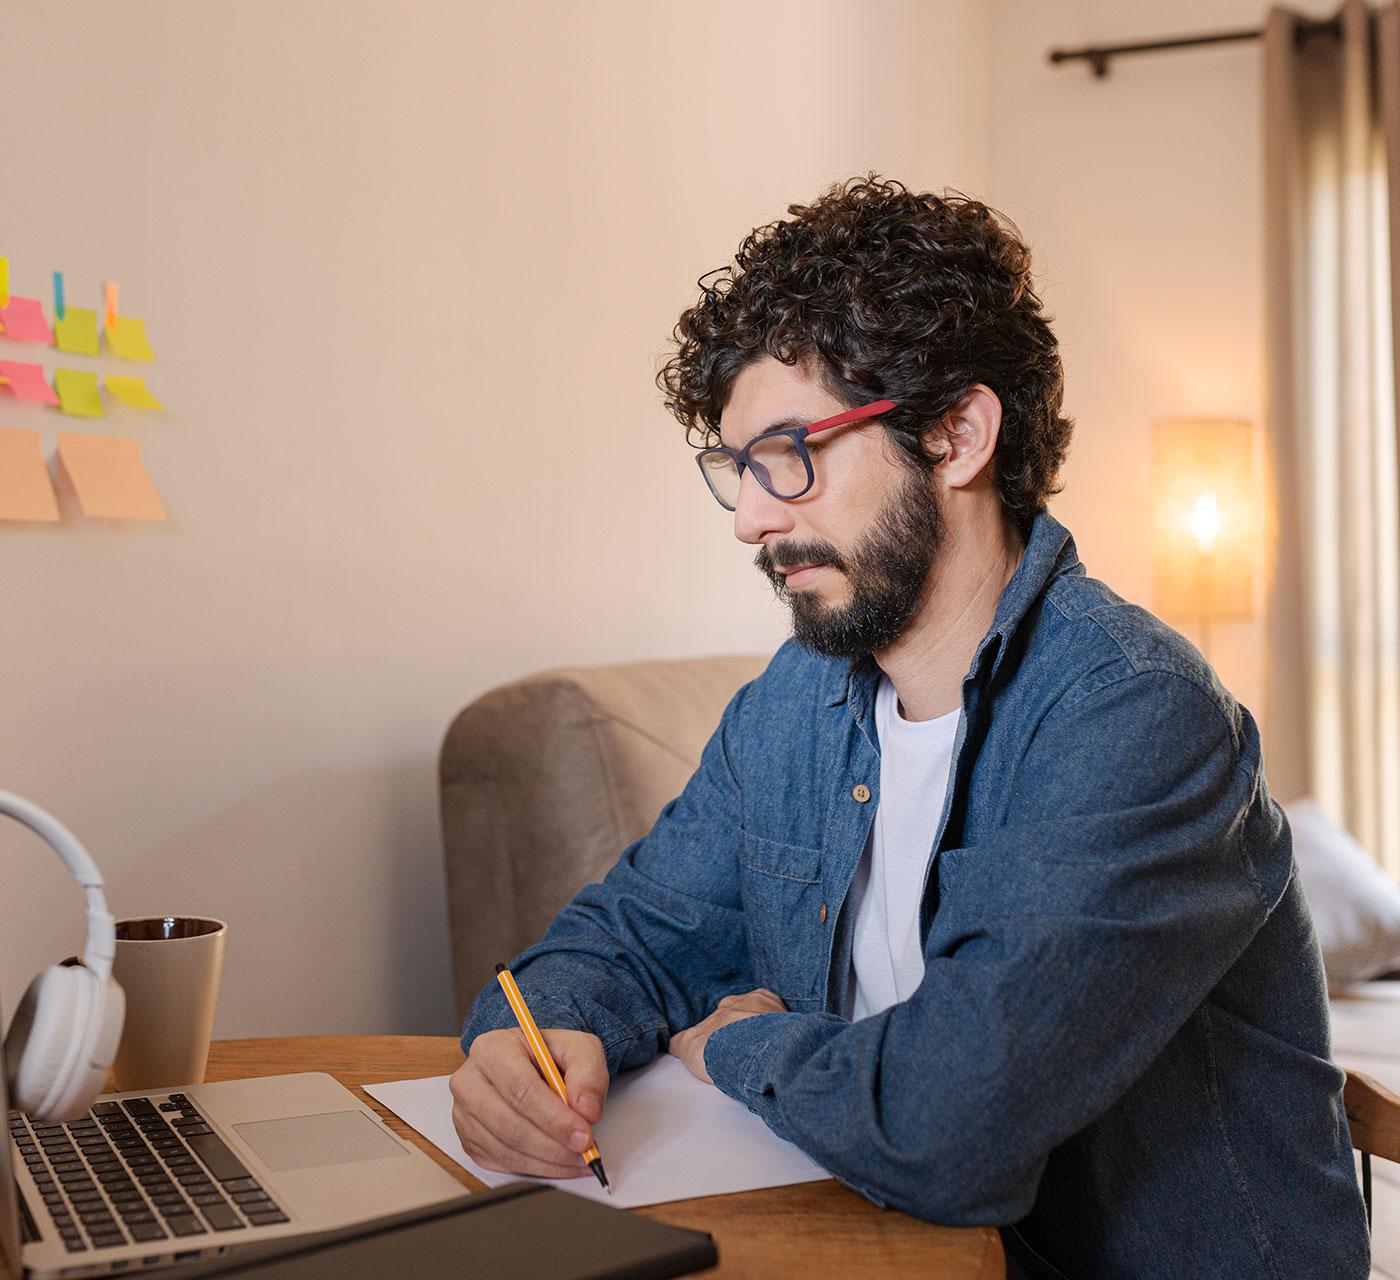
(101,936)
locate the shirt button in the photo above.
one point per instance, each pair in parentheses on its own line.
(823,913)
(860,792)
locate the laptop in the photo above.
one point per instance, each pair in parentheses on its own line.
(159,1176)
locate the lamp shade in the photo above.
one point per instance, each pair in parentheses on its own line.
(1206,527)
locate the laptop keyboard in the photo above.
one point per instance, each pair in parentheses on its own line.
(138,1171)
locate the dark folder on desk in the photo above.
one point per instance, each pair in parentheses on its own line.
(522,1231)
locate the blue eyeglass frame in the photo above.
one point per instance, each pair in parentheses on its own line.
(798,435)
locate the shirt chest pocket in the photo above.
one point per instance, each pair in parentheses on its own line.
(781,887)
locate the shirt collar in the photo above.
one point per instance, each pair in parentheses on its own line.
(1050,551)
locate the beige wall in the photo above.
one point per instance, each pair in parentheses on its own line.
(409,270)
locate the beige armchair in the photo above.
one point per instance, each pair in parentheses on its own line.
(545,781)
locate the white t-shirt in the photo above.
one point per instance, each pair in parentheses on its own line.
(887,960)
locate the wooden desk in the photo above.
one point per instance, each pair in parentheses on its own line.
(816,1228)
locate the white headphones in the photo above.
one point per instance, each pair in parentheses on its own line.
(65,1032)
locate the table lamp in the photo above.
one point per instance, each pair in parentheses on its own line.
(1206,528)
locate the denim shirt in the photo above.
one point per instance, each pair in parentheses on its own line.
(1120,1044)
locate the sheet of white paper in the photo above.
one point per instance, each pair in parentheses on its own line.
(664,1135)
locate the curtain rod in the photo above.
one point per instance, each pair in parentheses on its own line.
(1097,56)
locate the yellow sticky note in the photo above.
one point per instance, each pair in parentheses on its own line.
(77,392)
(127,339)
(108,477)
(26,492)
(77,331)
(4,283)
(132,392)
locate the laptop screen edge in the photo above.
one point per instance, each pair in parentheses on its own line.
(9,1202)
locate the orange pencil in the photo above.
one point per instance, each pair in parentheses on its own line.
(544,1060)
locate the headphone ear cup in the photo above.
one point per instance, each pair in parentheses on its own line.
(39,1043)
(62,1041)
(100,1031)
(109,1034)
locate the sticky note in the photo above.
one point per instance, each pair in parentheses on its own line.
(4,282)
(26,492)
(58,304)
(127,339)
(132,392)
(24,321)
(77,392)
(108,477)
(77,331)
(26,382)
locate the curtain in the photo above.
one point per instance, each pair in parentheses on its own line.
(1332,157)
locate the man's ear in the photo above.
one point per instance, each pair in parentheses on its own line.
(967,438)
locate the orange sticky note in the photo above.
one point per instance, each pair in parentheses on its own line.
(108,477)
(126,338)
(26,381)
(77,392)
(24,321)
(26,492)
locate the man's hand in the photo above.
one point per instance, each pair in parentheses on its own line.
(689,1045)
(507,1116)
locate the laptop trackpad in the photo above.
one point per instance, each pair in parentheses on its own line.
(304,1142)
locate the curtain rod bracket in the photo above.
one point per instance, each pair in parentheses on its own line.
(1097,58)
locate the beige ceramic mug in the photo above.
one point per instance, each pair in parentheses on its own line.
(169,968)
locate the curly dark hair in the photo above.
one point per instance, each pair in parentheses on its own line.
(914,298)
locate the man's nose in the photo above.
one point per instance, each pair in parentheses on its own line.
(757,513)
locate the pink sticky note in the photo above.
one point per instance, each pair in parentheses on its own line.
(24,321)
(26,381)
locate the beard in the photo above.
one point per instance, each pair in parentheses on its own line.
(887,571)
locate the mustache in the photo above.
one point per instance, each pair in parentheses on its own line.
(786,554)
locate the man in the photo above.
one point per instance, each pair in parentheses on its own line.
(978,894)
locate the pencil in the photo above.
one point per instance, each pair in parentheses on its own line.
(544,1060)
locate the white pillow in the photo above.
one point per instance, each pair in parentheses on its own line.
(1355,906)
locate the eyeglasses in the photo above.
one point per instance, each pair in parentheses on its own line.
(778,459)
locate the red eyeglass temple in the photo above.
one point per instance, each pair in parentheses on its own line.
(871,410)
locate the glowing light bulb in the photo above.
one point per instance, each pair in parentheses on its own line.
(1205,520)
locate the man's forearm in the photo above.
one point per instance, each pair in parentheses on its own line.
(594,1000)
(659,942)
(628,960)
